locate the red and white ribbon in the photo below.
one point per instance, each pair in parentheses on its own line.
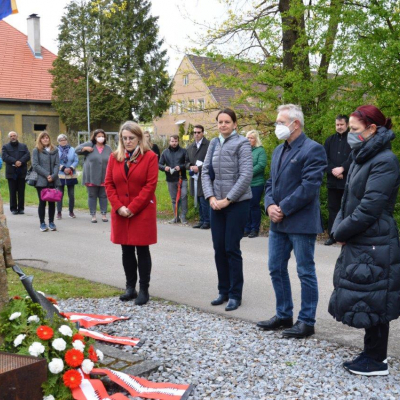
(126,341)
(89,320)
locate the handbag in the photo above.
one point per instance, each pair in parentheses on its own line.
(31,177)
(52,195)
(211,171)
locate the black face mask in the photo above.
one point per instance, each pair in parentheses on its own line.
(14,144)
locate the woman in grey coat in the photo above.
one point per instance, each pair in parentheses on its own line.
(46,163)
(96,153)
(226,177)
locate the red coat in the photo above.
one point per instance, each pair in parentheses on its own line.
(137,192)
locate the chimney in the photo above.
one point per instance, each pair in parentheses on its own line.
(34,35)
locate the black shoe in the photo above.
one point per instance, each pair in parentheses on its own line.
(330,242)
(299,330)
(346,364)
(275,323)
(143,297)
(368,367)
(221,299)
(205,226)
(233,305)
(130,294)
(198,225)
(253,234)
(14,212)
(21,212)
(246,234)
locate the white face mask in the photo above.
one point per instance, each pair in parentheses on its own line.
(283,132)
(100,139)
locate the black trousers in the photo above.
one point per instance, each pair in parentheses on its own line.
(376,342)
(42,207)
(131,265)
(16,187)
(334,201)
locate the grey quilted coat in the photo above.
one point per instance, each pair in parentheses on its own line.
(367,272)
(46,163)
(233,166)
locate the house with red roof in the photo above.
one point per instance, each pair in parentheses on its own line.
(25,84)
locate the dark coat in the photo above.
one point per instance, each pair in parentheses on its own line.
(367,272)
(338,154)
(294,187)
(46,163)
(193,154)
(11,154)
(173,157)
(135,191)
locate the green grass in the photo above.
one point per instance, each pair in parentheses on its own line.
(62,285)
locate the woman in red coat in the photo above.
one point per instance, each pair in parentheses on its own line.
(131,182)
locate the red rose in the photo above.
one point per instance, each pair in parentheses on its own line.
(44,332)
(92,354)
(74,358)
(72,379)
(17,298)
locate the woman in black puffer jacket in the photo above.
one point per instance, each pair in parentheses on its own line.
(367,272)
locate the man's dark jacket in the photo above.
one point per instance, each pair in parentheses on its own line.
(193,154)
(367,273)
(294,187)
(338,152)
(11,154)
(173,157)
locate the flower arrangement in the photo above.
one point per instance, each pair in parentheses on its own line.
(26,331)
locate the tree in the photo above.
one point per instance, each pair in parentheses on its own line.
(115,41)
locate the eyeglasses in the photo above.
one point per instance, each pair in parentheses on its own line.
(197,133)
(128,138)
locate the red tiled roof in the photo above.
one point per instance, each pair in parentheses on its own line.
(22,76)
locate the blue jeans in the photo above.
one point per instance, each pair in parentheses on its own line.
(280,247)
(204,210)
(227,227)
(254,219)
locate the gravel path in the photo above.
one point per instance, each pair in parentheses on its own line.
(231,359)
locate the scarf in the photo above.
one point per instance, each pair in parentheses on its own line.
(131,157)
(64,153)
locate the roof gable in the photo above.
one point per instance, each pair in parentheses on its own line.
(22,76)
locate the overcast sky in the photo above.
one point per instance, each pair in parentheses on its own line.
(174,21)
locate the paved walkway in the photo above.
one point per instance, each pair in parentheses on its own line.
(183,268)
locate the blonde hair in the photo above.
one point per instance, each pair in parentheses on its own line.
(39,144)
(256,135)
(134,128)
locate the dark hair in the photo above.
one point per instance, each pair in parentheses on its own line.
(228,111)
(345,117)
(95,133)
(176,137)
(370,114)
(199,127)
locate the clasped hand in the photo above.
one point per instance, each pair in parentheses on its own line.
(124,212)
(275,213)
(218,204)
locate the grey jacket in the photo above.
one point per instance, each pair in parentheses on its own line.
(233,166)
(46,163)
(95,165)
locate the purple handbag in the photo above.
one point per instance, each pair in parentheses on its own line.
(52,195)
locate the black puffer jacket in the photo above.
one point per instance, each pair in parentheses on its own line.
(367,272)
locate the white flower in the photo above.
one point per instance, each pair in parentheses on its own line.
(78,345)
(56,365)
(65,330)
(14,316)
(33,318)
(49,397)
(59,344)
(18,340)
(100,354)
(87,366)
(35,349)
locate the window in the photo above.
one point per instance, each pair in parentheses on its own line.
(185,80)
(179,108)
(172,108)
(191,105)
(183,107)
(39,127)
(200,104)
